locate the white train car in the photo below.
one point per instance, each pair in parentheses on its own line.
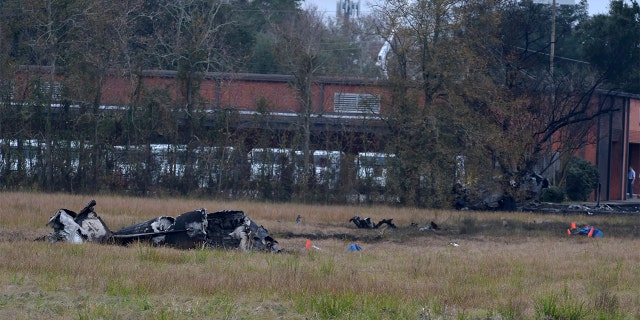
(373,168)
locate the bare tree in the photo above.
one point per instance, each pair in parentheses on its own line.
(299,44)
(449,62)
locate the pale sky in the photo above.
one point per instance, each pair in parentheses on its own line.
(595,6)
(329,6)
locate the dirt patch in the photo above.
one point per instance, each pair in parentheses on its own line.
(493,228)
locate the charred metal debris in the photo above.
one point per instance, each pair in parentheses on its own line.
(366,223)
(190,230)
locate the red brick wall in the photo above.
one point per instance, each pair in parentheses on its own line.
(241,91)
(244,91)
(245,95)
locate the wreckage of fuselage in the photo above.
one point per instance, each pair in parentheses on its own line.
(78,227)
(194,229)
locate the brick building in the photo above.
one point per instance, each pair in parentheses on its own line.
(618,144)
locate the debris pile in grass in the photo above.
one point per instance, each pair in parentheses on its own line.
(189,230)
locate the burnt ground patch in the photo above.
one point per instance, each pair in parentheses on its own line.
(467,228)
(609,208)
(470,227)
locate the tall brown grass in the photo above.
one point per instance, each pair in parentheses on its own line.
(494,273)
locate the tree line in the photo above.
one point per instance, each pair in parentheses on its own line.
(491,88)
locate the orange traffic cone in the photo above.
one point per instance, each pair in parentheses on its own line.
(573,225)
(590,233)
(568,232)
(308,245)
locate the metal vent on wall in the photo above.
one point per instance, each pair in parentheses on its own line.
(356,103)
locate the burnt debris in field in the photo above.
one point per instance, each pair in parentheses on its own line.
(185,231)
(72,227)
(366,223)
(193,229)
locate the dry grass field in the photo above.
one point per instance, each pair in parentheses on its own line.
(505,266)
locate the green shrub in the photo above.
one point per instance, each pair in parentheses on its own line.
(582,178)
(552,306)
(552,194)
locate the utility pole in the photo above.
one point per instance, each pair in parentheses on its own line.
(551,54)
(553,37)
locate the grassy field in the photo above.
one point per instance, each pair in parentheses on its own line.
(506,266)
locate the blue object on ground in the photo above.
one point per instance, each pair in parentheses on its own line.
(596,232)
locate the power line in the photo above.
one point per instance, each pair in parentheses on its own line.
(556,57)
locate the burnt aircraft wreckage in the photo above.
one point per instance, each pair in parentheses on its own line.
(194,229)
